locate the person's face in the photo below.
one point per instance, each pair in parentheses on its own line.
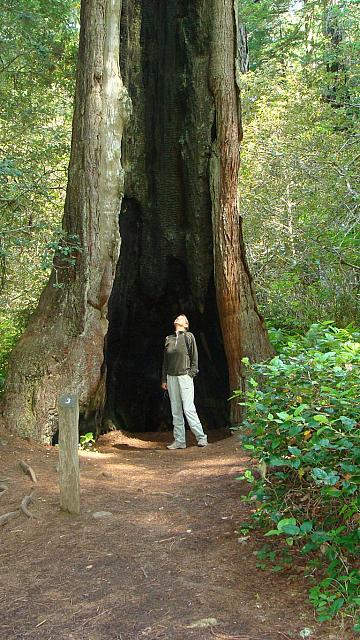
(181,321)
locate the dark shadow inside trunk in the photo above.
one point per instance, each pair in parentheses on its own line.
(166,257)
(138,324)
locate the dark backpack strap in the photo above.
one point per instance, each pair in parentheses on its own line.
(188,341)
(188,344)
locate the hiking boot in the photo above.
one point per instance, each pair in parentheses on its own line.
(202,442)
(176,445)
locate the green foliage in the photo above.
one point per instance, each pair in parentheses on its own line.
(37,73)
(322,38)
(87,441)
(299,201)
(300,158)
(302,426)
(66,247)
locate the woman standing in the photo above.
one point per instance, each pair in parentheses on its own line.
(179,368)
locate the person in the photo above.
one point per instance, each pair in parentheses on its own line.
(179,368)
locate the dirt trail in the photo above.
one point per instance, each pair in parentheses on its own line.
(165,559)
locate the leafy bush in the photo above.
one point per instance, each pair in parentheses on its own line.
(302,426)
(87,441)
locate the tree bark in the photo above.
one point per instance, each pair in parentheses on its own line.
(242,326)
(62,348)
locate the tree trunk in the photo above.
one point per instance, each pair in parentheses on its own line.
(180,219)
(242,326)
(181,238)
(62,348)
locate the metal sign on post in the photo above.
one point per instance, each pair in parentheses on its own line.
(69,476)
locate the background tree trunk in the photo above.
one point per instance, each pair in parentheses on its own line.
(337,91)
(62,349)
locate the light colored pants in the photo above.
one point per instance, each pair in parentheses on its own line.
(181,394)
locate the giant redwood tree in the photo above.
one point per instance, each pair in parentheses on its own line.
(172,211)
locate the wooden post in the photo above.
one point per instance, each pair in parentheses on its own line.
(69,476)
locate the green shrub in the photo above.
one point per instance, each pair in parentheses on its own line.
(302,427)
(87,441)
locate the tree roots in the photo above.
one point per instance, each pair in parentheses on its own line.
(28,470)
(3,488)
(23,508)
(24,505)
(9,516)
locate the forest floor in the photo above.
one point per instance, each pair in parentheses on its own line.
(166,563)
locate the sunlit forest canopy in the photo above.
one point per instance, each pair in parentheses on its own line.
(37,75)
(300,158)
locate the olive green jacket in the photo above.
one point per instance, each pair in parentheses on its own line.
(178,358)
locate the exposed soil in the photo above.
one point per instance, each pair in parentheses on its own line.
(167,557)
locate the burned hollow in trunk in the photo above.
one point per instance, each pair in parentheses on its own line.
(166,258)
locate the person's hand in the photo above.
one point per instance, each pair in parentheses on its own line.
(164,386)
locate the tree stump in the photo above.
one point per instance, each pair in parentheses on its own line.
(69,477)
